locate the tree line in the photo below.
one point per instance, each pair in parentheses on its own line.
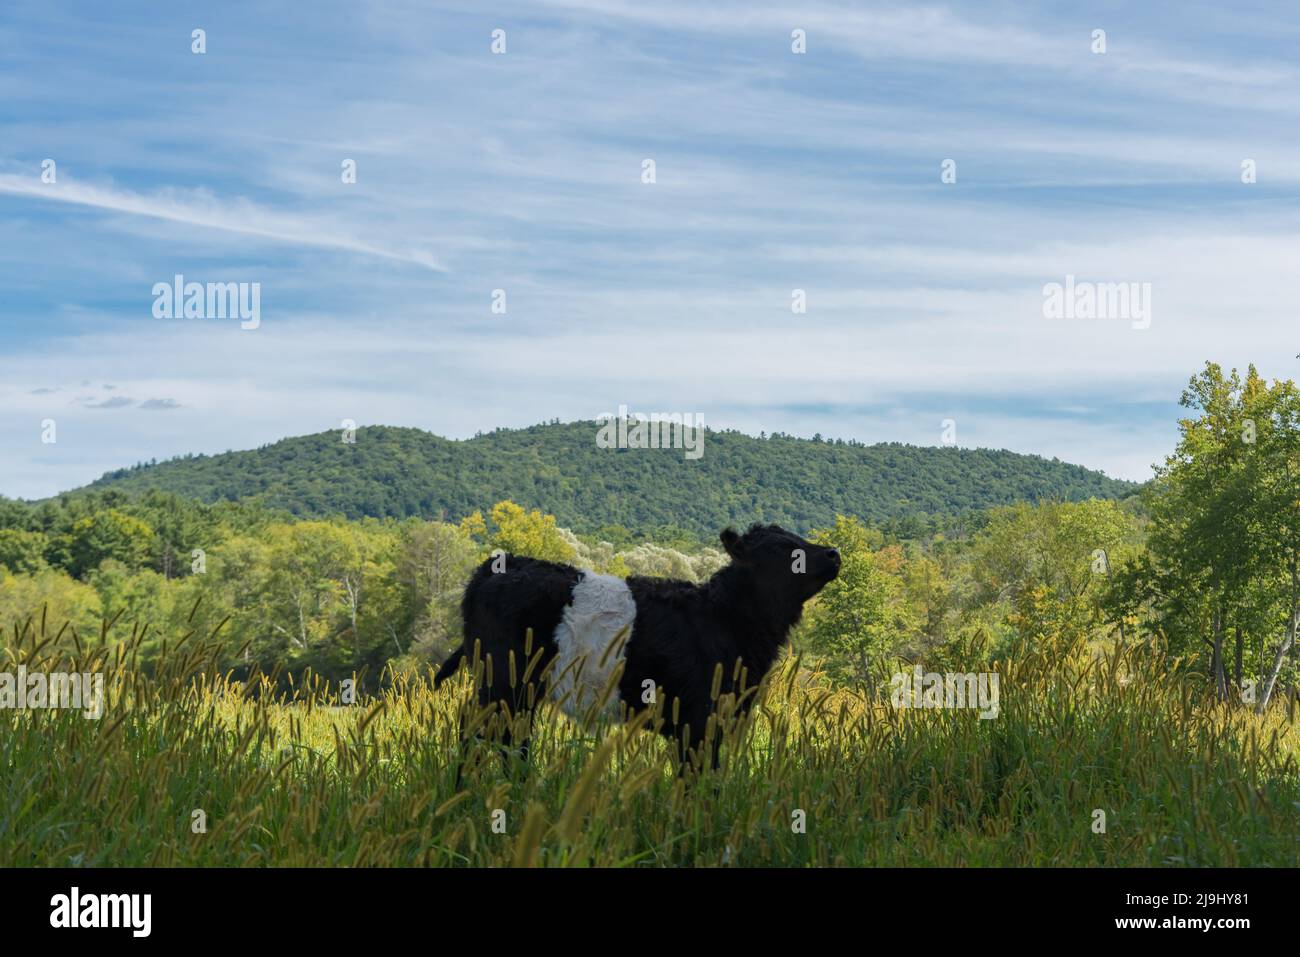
(380,472)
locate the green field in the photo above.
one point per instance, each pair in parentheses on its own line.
(303,780)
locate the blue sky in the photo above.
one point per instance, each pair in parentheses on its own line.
(774,171)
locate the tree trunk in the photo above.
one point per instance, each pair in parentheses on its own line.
(1236,670)
(1292,627)
(354,600)
(1216,660)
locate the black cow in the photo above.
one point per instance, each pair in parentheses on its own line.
(669,635)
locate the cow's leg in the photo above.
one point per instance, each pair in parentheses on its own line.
(714,745)
(694,741)
(510,667)
(504,688)
(508,725)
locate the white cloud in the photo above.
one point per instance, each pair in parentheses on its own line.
(201,208)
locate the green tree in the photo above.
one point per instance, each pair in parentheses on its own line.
(54,592)
(1226,528)
(107,533)
(521,532)
(22,552)
(856,621)
(1047,564)
(140,596)
(434,561)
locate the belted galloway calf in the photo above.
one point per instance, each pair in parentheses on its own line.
(668,636)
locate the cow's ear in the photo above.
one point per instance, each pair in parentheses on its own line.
(731,542)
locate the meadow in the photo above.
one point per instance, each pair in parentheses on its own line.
(1102,754)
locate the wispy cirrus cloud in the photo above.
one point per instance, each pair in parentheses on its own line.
(200,207)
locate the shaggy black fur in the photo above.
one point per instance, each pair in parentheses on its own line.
(681,632)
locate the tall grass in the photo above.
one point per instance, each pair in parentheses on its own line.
(300,779)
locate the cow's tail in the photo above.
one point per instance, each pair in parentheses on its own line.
(449,666)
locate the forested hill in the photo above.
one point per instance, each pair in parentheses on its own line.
(558,468)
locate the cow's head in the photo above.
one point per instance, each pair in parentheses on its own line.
(783,564)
